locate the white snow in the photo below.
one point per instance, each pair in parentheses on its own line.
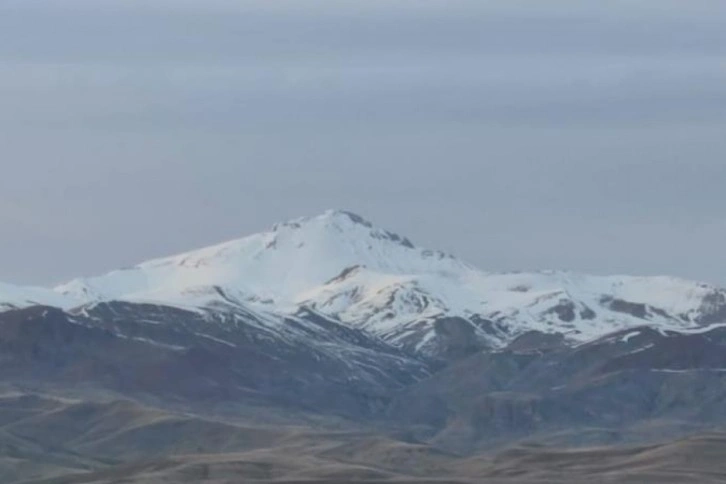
(216,340)
(691,370)
(640,350)
(22,296)
(342,266)
(629,336)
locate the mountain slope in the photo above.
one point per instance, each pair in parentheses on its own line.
(635,384)
(301,363)
(426,301)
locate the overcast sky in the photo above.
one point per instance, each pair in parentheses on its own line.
(579,135)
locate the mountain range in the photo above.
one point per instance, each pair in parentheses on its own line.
(330,322)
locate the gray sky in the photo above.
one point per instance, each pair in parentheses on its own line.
(518,135)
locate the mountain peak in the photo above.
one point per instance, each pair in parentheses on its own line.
(279,264)
(353,217)
(342,221)
(328,217)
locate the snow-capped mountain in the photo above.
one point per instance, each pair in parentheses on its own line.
(275,266)
(342,267)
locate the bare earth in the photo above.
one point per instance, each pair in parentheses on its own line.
(60,441)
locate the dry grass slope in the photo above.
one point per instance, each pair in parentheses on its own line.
(46,440)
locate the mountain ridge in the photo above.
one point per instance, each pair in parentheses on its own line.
(343,266)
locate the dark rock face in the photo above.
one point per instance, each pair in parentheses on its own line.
(713,309)
(565,311)
(634,309)
(588,314)
(222,356)
(536,340)
(457,338)
(619,381)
